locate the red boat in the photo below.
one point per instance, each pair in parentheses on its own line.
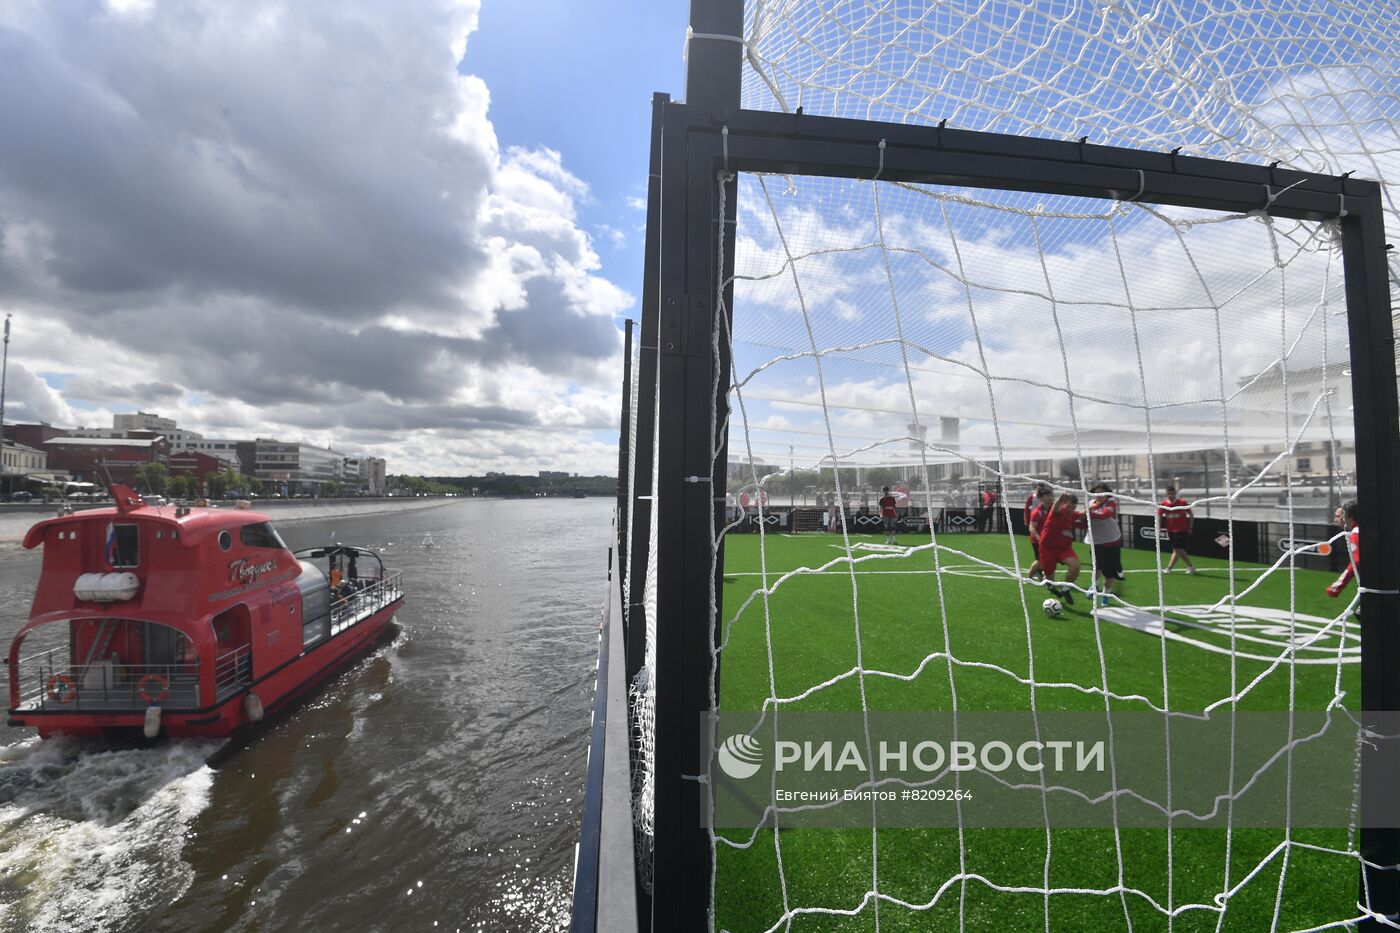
(185,621)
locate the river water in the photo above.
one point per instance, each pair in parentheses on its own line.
(435,784)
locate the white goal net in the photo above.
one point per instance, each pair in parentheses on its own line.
(952,349)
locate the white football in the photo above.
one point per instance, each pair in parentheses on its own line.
(1052,607)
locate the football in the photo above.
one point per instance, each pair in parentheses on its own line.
(1052,607)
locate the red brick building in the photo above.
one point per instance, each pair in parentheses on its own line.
(94,459)
(32,435)
(196,464)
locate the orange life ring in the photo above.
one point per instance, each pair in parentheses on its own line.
(143,688)
(69,692)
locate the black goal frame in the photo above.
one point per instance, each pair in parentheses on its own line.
(699,144)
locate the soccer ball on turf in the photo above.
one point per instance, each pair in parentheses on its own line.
(1052,607)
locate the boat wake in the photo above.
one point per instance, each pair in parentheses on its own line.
(89,835)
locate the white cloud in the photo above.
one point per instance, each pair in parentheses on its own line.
(1160,327)
(297,221)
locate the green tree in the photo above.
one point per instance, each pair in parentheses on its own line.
(152,478)
(879,477)
(220,484)
(235,481)
(333,488)
(181,487)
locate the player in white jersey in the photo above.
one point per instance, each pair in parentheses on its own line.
(1106,538)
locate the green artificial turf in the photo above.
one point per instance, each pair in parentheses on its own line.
(811,621)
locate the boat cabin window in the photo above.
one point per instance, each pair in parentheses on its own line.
(261,534)
(225,540)
(123,546)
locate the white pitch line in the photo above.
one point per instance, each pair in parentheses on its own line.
(975,571)
(844,572)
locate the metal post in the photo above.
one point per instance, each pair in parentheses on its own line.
(1377,422)
(692,466)
(1333,499)
(4,372)
(4,375)
(1205,478)
(624,450)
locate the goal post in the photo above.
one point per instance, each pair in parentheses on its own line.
(703,148)
(697,223)
(1377,416)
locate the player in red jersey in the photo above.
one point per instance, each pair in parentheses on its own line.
(1177,518)
(889,516)
(1039,508)
(1057,544)
(1346,520)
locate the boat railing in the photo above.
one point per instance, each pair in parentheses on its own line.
(233,671)
(50,681)
(360,603)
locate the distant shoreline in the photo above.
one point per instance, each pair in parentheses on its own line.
(16,520)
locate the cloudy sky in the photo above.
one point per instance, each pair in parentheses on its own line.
(403,229)
(415,229)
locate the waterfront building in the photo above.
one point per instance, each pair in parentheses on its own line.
(196,463)
(293,468)
(366,474)
(145,424)
(20,464)
(98,459)
(33,435)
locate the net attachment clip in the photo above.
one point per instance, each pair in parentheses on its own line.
(691,35)
(1142,186)
(1342,195)
(698,479)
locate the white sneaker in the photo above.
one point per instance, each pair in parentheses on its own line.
(1191,570)
(1168,570)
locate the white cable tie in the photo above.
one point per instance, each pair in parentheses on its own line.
(692,34)
(1341,205)
(1367,589)
(698,479)
(724,138)
(1275,195)
(881,169)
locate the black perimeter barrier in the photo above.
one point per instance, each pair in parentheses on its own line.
(1253,541)
(709,138)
